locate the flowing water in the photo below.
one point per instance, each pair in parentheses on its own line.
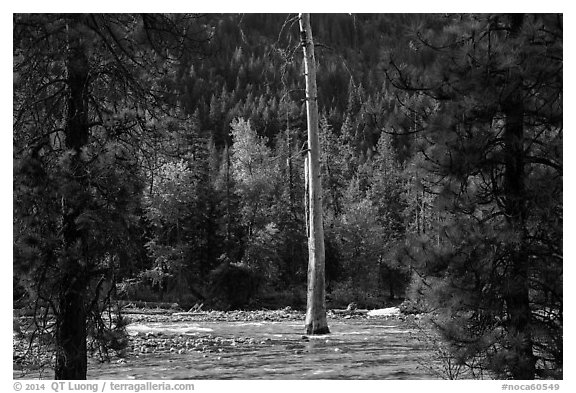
(355,349)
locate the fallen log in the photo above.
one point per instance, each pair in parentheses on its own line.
(189,313)
(344,311)
(154,305)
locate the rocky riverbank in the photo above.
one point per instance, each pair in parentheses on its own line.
(136,315)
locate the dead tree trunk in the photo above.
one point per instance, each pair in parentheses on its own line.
(316,304)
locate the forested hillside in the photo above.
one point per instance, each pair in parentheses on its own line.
(165,155)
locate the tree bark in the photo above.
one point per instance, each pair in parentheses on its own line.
(71,354)
(516,291)
(522,365)
(306,196)
(316,304)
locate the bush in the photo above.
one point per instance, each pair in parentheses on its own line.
(344,293)
(136,289)
(233,286)
(143,290)
(295,298)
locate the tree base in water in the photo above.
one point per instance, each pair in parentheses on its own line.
(319,330)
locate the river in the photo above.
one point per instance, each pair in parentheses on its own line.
(355,349)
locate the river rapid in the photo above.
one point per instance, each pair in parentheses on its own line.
(354,349)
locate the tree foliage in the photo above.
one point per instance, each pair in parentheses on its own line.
(492,96)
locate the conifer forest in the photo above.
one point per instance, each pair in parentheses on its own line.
(163,168)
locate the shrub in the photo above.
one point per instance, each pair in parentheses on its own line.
(233,285)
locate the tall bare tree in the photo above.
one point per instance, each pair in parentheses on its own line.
(316,305)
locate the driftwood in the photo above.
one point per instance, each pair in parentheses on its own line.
(196,310)
(345,311)
(152,307)
(188,313)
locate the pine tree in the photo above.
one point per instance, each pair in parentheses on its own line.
(82,135)
(333,166)
(491,93)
